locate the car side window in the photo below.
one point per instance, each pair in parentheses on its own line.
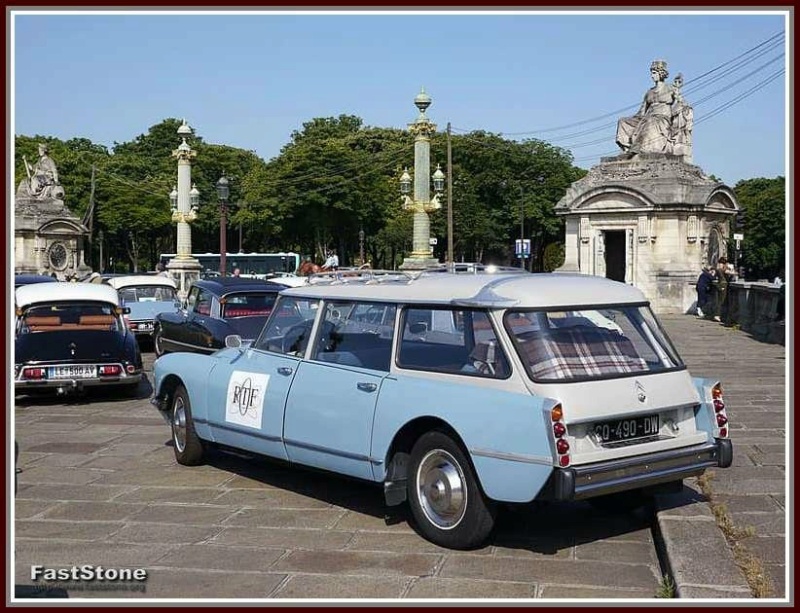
(349,335)
(457,341)
(203,304)
(191,299)
(288,329)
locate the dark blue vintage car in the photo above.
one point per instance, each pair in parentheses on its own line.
(214,309)
(73,338)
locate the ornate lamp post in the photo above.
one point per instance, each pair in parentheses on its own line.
(421,203)
(222,193)
(361,245)
(184,200)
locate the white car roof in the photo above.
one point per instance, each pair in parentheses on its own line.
(544,290)
(38,293)
(139,280)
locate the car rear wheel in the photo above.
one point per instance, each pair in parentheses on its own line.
(446,502)
(188,447)
(158,343)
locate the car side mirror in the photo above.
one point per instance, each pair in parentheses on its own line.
(178,304)
(232,341)
(126,310)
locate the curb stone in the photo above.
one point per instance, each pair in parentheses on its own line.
(698,557)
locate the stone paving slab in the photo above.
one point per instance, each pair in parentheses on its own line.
(753,380)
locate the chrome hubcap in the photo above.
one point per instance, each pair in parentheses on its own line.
(440,485)
(157,343)
(179,424)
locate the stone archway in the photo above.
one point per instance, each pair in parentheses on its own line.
(716,245)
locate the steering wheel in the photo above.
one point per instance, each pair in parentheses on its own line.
(296,338)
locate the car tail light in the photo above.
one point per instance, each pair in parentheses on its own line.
(110,369)
(130,368)
(719,409)
(33,373)
(559,434)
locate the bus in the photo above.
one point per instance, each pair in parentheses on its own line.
(253,265)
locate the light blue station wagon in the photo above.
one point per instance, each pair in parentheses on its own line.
(457,392)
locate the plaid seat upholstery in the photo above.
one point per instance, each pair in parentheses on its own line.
(581,351)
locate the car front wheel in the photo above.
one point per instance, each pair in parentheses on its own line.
(188,447)
(158,343)
(446,502)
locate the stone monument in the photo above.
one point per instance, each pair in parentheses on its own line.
(48,238)
(649,217)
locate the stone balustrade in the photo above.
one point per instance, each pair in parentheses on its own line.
(758,308)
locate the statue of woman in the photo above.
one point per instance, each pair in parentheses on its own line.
(648,131)
(42,180)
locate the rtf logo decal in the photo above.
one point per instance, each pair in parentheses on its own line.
(244,404)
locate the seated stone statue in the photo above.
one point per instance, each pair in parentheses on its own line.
(648,131)
(42,182)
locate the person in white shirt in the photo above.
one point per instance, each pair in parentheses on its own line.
(332,263)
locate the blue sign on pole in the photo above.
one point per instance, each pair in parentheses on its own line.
(522,248)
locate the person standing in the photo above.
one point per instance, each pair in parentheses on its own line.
(705,283)
(721,283)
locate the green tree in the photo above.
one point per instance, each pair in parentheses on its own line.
(763,202)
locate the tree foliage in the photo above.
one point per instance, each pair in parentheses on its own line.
(763,203)
(337,177)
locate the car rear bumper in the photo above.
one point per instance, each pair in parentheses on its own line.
(76,384)
(581,482)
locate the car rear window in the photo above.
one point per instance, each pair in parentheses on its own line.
(591,343)
(147,293)
(69,316)
(247,305)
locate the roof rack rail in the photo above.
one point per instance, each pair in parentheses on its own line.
(359,275)
(472,268)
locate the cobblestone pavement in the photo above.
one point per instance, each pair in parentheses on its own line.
(754,385)
(99,485)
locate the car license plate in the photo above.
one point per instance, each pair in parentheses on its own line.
(627,429)
(77,371)
(146,326)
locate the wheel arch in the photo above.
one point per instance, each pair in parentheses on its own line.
(167,390)
(399,453)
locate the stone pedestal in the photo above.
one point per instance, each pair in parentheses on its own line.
(48,239)
(185,271)
(418,263)
(649,220)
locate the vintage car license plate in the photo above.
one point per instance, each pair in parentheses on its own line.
(627,429)
(76,371)
(145,326)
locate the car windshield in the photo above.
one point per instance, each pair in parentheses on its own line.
(147,293)
(594,343)
(247,304)
(77,316)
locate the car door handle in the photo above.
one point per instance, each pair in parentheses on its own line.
(366,387)
(285,370)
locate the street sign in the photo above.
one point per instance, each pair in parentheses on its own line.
(433,241)
(738,237)
(522,247)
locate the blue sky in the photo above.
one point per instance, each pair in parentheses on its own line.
(249,80)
